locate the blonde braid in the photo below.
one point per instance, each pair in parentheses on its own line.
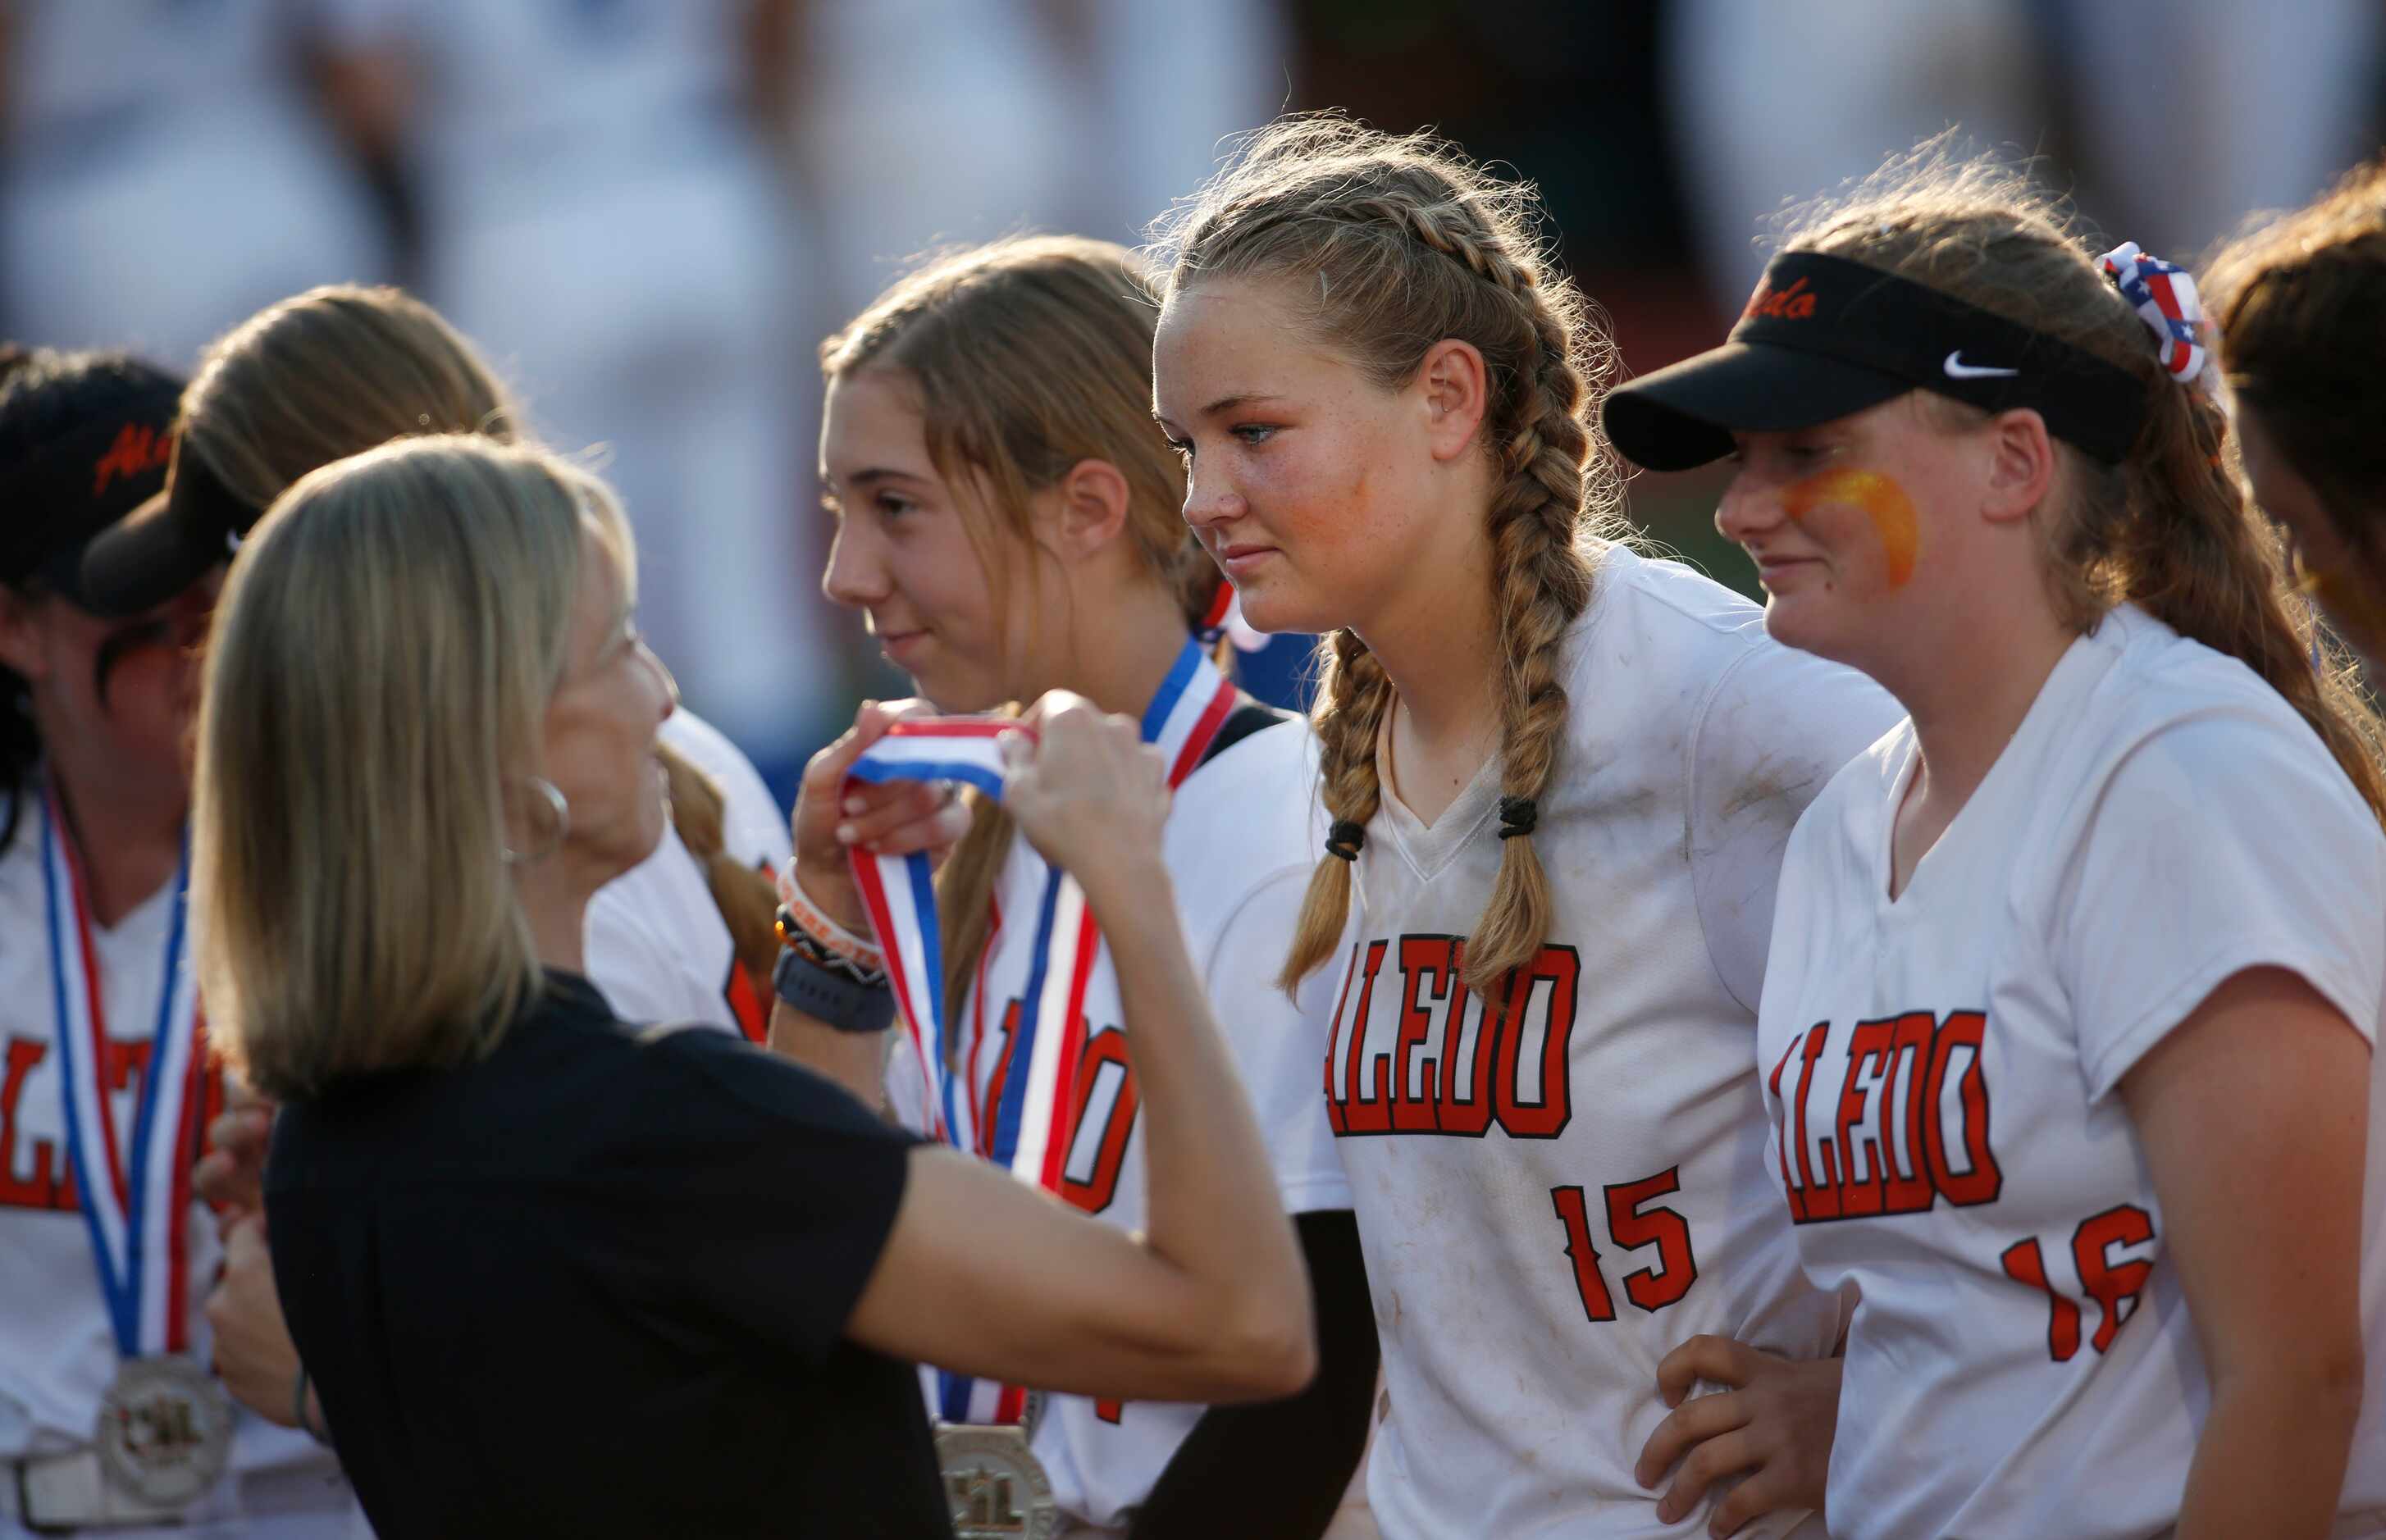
(1544,581)
(1354,694)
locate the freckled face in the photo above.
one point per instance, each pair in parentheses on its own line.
(2331,569)
(1309,483)
(1836,519)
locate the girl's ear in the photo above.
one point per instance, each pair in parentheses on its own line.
(2021,465)
(1453,389)
(1087,509)
(21,641)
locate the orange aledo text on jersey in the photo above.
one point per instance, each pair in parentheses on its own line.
(1500,1061)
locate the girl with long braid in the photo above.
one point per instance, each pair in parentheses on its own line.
(1560,774)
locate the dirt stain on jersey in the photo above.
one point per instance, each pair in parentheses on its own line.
(1882,500)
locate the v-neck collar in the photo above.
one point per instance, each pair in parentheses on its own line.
(1430,847)
(2062,688)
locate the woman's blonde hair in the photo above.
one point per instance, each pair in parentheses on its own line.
(377,674)
(2170,529)
(1388,245)
(1027,356)
(346,367)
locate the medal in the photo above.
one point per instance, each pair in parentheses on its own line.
(164,1427)
(995,1486)
(1031,1123)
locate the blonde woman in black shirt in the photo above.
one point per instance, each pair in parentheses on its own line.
(552,1273)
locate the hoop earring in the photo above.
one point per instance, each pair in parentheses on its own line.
(562,809)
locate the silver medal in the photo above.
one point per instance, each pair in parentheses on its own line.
(164,1431)
(995,1487)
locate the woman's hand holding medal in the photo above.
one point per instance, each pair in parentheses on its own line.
(832,820)
(1090,795)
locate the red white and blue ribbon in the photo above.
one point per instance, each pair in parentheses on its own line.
(136,1202)
(2164,298)
(1032,1120)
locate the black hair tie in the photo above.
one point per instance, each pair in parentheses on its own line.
(1345,838)
(1517,816)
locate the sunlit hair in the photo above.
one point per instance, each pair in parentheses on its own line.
(1025,357)
(377,676)
(327,374)
(1387,246)
(2300,303)
(2170,529)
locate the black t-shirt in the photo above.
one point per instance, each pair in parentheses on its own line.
(597,1285)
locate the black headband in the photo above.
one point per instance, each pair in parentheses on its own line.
(1824,337)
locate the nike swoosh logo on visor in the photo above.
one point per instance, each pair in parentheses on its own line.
(1958,369)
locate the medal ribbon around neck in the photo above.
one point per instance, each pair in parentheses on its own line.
(136,1203)
(1033,1120)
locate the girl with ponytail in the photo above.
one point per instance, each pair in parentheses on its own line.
(1559,774)
(2067,1028)
(1007,525)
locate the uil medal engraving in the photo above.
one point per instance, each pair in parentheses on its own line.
(996,1488)
(164,1431)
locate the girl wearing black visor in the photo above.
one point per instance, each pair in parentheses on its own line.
(109,1415)
(2066,1027)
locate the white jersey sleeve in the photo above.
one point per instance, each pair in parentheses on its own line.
(656,945)
(1275,1039)
(754,827)
(1771,733)
(2218,844)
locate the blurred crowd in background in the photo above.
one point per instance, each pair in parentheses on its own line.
(648,211)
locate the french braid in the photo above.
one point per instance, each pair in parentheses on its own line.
(1397,242)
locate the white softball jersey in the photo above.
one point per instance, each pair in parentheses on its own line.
(58,1352)
(1557,1186)
(1241,839)
(657,946)
(1940,1073)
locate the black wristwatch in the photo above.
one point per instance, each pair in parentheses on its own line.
(832,998)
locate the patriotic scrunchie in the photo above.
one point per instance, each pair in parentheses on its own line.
(2165,300)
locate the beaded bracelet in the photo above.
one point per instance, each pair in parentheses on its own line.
(795,938)
(807,919)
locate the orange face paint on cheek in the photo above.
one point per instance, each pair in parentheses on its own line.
(1882,500)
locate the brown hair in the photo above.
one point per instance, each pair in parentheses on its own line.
(1028,355)
(1391,244)
(343,369)
(327,374)
(2301,304)
(2170,529)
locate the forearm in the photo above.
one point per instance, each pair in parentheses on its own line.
(1212,1203)
(2272,1457)
(854,1060)
(1279,1468)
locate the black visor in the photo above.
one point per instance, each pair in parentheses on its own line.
(1824,337)
(168,543)
(83,482)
